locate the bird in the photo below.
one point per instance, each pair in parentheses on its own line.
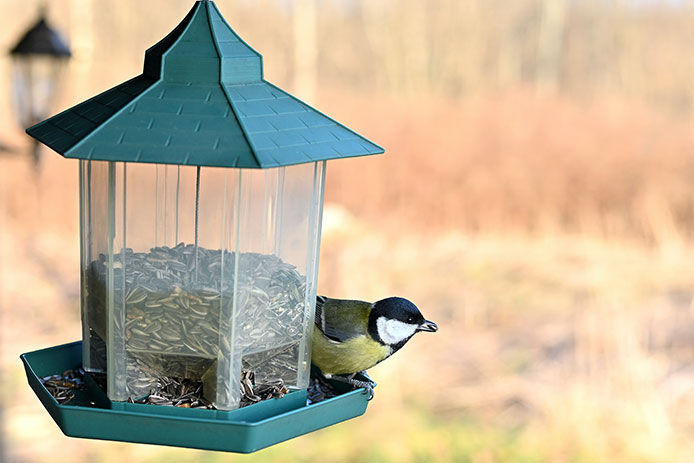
(351,336)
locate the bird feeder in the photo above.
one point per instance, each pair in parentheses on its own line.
(201,197)
(38,59)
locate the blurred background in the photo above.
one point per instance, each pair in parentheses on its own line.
(535,200)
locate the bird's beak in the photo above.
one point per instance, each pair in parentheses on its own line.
(428,326)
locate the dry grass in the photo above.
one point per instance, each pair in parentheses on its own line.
(583,348)
(524,163)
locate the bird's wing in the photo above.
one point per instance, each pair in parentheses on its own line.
(341,320)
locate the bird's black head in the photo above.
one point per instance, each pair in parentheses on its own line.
(395,320)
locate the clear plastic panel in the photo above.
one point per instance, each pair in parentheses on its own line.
(94,249)
(283,353)
(142,287)
(200,273)
(173,290)
(315,225)
(275,255)
(118,270)
(222,384)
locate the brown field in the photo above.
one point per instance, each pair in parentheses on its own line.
(544,219)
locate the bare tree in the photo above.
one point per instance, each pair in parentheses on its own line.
(305,49)
(549,46)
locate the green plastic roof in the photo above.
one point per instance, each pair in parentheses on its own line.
(201,100)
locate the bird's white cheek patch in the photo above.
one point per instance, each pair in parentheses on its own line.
(394,331)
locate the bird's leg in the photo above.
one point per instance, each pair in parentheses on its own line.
(368,385)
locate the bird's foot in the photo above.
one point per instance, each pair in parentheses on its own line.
(368,385)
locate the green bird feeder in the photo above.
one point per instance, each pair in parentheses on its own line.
(201,197)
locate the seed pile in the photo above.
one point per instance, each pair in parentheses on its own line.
(147,372)
(186,393)
(62,387)
(176,392)
(252,393)
(169,391)
(177,306)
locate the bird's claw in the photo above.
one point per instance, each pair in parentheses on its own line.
(367,385)
(369,390)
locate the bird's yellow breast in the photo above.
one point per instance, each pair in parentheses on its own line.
(352,356)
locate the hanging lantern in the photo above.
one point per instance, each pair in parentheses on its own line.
(201,197)
(38,60)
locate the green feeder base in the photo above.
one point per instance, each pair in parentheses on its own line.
(90,414)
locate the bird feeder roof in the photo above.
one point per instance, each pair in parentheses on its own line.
(43,40)
(201,100)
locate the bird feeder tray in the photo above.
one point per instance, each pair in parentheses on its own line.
(90,414)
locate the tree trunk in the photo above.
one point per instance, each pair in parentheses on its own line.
(305,49)
(550,43)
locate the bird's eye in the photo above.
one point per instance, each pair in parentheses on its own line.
(410,319)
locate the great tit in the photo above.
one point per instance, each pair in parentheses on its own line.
(352,336)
